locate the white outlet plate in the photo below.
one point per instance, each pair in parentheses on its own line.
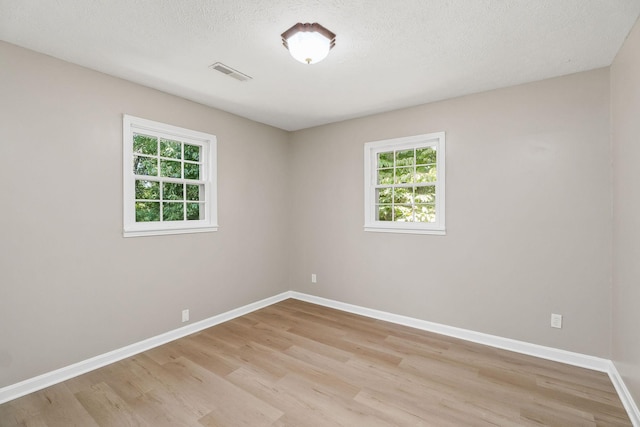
(556,321)
(314,278)
(185,315)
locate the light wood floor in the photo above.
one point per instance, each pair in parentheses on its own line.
(298,364)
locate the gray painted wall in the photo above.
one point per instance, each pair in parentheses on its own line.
(71,287)
(528,215)
(625,107)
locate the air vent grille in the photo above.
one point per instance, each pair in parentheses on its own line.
(225,69)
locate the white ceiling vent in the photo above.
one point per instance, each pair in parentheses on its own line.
(224,69)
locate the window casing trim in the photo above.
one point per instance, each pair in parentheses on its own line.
(371,150)
(208,178)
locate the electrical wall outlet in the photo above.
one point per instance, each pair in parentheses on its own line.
(185,315)
(314,278)
(556,320)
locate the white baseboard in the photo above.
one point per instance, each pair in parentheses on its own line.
(625,395)
(50,378)
(590,362)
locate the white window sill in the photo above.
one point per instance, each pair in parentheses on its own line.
(142,233)
(405,230)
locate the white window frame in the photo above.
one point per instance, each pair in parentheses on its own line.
(208,178)
(371,150)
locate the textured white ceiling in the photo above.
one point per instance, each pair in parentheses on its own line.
(389,53)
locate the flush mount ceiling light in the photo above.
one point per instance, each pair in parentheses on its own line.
(308,43)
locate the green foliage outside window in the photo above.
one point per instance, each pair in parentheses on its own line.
(154,160)
(406,185)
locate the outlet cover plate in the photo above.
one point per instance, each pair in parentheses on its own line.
(556,321)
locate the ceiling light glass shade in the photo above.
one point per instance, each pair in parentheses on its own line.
(308,43)
(309,47)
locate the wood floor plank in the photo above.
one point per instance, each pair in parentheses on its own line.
(346,412)
(230,405)
(107,408)
(297,411)
(54,406)
(161,408)
(300,364)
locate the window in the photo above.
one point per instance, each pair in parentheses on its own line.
(169,179)
(404,184)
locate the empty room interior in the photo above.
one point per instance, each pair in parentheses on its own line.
(205,224)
